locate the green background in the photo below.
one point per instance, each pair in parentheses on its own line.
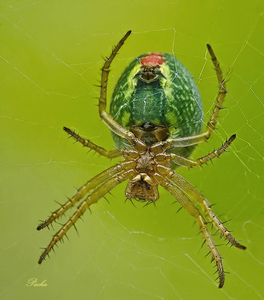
(50,56)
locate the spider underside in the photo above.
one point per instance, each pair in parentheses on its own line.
(146,167)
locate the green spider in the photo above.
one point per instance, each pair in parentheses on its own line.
(156,120)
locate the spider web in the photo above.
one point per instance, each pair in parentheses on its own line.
(50,61)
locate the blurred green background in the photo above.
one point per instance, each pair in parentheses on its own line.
(51,55)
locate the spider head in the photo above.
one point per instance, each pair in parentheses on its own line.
(142,187)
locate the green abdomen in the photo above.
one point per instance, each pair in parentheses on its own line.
(165,96)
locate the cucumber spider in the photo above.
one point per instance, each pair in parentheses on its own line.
(156,121)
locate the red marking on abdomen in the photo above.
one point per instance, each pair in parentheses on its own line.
(153,59)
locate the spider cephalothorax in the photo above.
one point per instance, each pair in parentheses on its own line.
(156,119)
(144,186)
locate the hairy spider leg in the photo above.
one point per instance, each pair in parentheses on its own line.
(197,196)
(87,143)
(220,97)
(107,119)
(186,203)
(182,161)
(97,194)
(199,138)
(82,191)
(175,183)
(185,162)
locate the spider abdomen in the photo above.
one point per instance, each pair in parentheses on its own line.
(158,90)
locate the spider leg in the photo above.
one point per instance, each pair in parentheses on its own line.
(194,194)
(107,119)
(97,194)
(199,138)
(186,203)
(182,161)
(178,142)
(221,94)
(91,184)
(86,143)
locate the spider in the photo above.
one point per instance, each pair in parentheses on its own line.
(156,121)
